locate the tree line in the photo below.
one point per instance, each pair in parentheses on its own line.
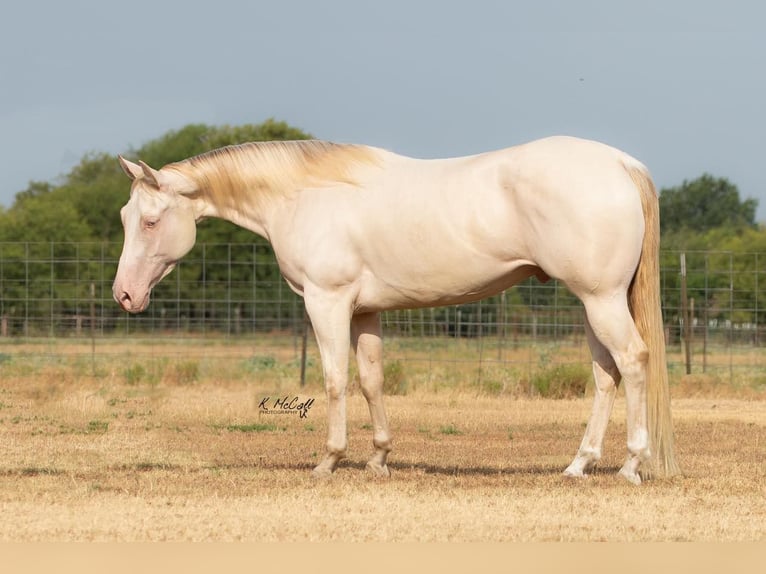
(58,239)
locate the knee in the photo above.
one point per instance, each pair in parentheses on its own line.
(634,368)
(372,384)
(335,389)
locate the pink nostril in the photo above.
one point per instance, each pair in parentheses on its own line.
(125,299)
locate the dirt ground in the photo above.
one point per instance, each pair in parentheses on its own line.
(201,462)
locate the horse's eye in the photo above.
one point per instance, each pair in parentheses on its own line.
(150,223)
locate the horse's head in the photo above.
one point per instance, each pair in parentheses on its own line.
(160,228)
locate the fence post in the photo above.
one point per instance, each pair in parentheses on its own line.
(755,314)
(731,317)
(93,327)
(304,344)
(705,309)
(685,316)
(501,320)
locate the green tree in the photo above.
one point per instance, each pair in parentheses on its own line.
(705,203)
(96,187)
(35,189)
(40,231)
(39,218)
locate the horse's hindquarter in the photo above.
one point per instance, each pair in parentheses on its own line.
(433,232)
(578,210)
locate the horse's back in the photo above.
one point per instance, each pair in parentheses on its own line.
(562,203)
(422,232)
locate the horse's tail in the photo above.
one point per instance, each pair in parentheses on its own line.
(645,307)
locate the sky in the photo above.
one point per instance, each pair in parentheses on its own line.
(678,84)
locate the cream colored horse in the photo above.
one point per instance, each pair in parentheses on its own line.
(358,230)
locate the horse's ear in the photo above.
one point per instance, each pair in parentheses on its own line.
(132,170)
(150,174)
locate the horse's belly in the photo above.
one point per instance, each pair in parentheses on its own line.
(431,287)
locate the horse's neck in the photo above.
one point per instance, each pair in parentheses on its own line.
(251,185)
(243,209)
(251,217)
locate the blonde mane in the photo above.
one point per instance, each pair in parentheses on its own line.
(258,171)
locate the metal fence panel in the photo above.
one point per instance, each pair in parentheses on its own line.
(63,290)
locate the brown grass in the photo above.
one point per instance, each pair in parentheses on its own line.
(98,458)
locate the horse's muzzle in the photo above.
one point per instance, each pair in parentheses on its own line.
(128,303)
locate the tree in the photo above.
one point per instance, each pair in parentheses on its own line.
(39,219)
(703,204)
(97,188)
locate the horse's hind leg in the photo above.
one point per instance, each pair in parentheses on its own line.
(368,345)
(607,378)
(613,326)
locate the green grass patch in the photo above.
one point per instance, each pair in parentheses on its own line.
(490,387)
(135,374)
(450,429)
(394,379)
(565,381)
(183,373)
(260,363)
(97,427)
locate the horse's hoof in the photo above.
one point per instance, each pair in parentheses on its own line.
(580,468)
(630,476)
(323,470)
(378,469)
(569,473)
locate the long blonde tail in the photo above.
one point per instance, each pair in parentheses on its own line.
(645,306)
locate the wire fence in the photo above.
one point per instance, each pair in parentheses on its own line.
(714,307)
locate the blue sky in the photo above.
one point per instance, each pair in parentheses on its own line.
(680,84)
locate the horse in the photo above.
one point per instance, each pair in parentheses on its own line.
(357,230)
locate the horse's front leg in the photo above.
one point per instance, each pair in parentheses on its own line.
(330,318)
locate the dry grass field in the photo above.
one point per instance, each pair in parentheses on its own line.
(146,449)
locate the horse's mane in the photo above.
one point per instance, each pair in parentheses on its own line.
(258,171)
